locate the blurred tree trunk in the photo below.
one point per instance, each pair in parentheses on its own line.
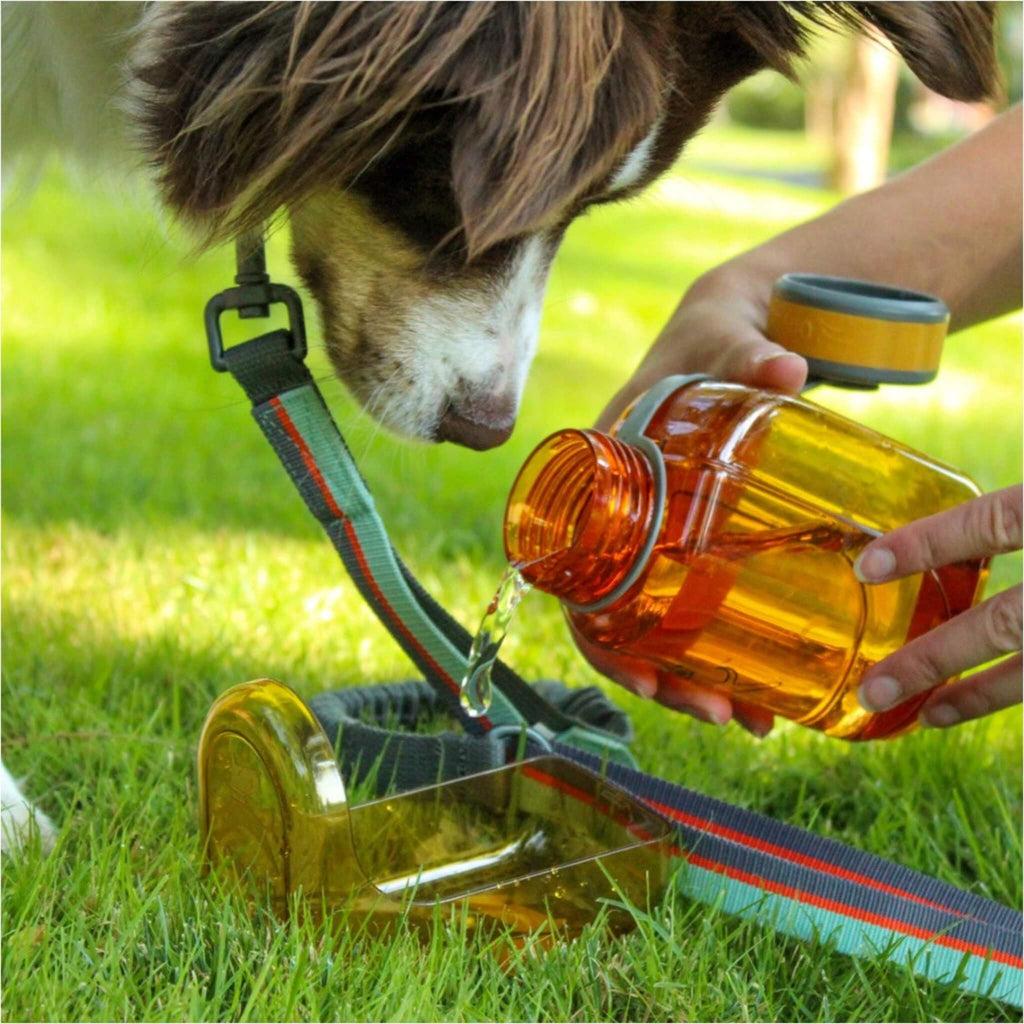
(820,109)
(864,112)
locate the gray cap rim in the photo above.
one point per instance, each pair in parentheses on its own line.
(862,298)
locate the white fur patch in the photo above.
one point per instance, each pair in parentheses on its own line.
(18,817)
(520,305)
(472,347)
(632,168)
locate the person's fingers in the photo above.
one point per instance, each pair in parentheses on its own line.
(683,695)
(757,363)
(988,525)
(691,699)
(643,679)
(637,676)
(714,338)
(989,630)
(747,357)
(672,691)
(776,370)
(755,720)
(993,689)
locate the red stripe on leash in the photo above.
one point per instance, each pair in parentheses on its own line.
(894,925)
(797,858)
(310,462)
(307,457)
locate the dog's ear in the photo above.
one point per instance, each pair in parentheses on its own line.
(248,107)
(556,94)
(949,46)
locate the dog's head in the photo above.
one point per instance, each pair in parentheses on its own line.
(431,155)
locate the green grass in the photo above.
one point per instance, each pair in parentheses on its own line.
(154,554)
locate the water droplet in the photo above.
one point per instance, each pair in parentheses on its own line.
(476,690)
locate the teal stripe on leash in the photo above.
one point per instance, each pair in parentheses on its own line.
(306,410)
(968,971)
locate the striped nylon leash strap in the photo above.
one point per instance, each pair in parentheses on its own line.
(801,884)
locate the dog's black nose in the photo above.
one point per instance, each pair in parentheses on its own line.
(469,433)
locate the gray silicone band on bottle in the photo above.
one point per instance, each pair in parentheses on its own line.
(632,433)
(862,298)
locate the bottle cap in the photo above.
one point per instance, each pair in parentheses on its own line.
(857,333)
(631,431)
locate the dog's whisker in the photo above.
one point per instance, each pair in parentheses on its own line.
(367,411)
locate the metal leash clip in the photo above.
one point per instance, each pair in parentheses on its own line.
(252,298)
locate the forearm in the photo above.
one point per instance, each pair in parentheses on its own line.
(950,227)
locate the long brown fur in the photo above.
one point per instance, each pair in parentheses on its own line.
(258,126)
(249,107)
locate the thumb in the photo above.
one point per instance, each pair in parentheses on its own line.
(767,365)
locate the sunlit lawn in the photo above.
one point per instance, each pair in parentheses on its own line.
(155,554)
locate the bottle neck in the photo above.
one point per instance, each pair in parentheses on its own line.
(578,514)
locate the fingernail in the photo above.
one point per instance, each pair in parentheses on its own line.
(711,717)
(767,357)
(940,716)
(874,564)
(880,693)
(644,686)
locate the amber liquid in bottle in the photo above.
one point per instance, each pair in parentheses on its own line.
(749,589)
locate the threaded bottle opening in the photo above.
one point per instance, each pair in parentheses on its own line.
(578,514)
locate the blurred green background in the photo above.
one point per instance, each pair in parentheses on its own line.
(154,554)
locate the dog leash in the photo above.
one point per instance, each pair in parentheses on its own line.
(801,884)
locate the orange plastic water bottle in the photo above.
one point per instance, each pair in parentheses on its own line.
(713,532)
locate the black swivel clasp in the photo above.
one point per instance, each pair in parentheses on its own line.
(252,298)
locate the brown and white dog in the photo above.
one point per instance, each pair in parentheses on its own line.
(429,156)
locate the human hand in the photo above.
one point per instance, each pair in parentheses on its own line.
(988,525)
(673,691)
(717,329)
